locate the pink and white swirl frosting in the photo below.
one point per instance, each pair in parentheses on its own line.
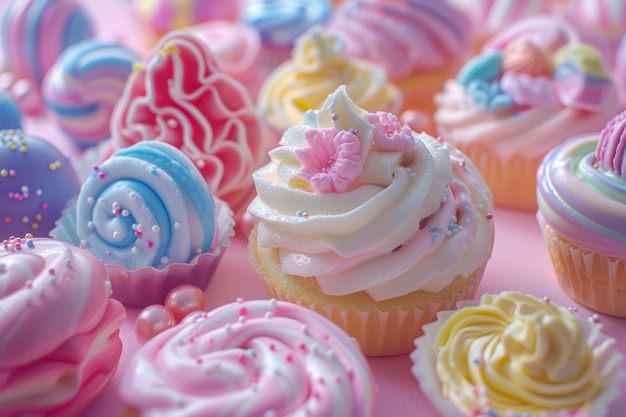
(257,358)
(582,190)
(362,203)
(179,96)
(403,37)
(60,342)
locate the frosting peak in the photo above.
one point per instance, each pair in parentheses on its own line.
(611,149)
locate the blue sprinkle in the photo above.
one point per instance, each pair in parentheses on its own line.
(453,226)
(441,229)
(433,228)
(434,238)
(466,207)
(483,67)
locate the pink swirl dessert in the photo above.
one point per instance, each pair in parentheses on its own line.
(36,32)
(180,96)
(60,340)
(533,87)
(369,223)
(31,171)
(255,358)
(419,43)
(236,48)
(582,211)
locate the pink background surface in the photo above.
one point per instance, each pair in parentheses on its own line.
(520,262)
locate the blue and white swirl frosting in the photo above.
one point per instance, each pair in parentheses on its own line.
(147,205)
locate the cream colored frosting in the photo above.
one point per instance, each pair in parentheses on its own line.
(318,66)
(516,353)
(409,220)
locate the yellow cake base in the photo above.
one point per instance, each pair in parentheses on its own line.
(382,328)
(592,279)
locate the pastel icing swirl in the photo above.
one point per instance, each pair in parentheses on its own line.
(54,305)
(583,197)
(165,15)
(317,67)
(147,205)
(403,37)
(280,22)
(362,203)
(517,355)
(83,86)
(36,32)
(10,115)
(179,96)
(255,358)
(31,169)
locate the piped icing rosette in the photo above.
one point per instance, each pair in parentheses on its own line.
(60,340)
(255,358)
(317,67)
(404,37)
(362,203)
(179,96)
(147,207)
(516,355)
(83,86)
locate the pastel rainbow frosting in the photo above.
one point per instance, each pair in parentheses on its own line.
(60,340)
(317,67)
(31,170)
(254,358)
(280,22)
(582,190)
(181,97)
(405,37)
(10,115)
(532,88)
(83,86)
(360,202)
(517,355)
(36,32)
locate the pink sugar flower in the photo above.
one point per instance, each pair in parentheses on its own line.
(389,135)
(332,160)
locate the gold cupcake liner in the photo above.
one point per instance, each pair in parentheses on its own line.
(592,279)
(381,328)
(512,181)
(607,362)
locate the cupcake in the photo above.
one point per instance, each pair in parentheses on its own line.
(516,355)
(582,213)
(31,170)
(255,358)
(149,216)
(280,22)
(317,67)
(531,89)
(419,43)
(60,328)
(373,225)
(180,96)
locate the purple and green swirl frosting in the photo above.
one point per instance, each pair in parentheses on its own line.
(582,189)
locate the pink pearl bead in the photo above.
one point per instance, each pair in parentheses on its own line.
(183,300)
(151,321)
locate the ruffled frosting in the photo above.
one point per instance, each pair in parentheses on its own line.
(582,199)
(403,37)
(515,353)
(179,96)
(256,358)
(401,218)
(317,67)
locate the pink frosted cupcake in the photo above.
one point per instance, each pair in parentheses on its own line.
(180,96)
(256,358)
(149,216)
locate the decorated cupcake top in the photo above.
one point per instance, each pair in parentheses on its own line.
(359,201)
(317,67)
(582,189)
(404,37)
(517,355)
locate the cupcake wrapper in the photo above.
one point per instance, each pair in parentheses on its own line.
(590,278)
(144,286)
(425,358)
(378,332)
